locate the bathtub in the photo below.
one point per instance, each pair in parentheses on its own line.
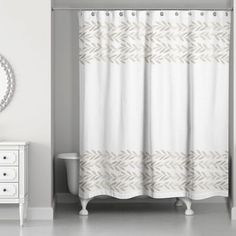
(72,171)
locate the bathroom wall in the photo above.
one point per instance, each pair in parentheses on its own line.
(66,68)
(145,4)
(25,41)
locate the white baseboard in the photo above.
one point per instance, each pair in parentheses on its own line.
(232,210)
(69,198)
(11,212)
(233,213)
(40,213)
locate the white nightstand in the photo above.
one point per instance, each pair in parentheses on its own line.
(14,175)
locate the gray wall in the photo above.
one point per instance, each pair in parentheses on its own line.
(145,3)
(26,43)
(66,91)
(66,67)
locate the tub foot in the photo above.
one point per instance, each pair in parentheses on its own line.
(188,203)
(178,202)
(84,202)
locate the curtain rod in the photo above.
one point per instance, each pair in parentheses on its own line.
(139,9)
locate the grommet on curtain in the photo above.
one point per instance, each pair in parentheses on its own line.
(226,13)
(107,13)
(189,13)
(93,14)
(162,13)
(176,13)
(214,13)
(148,13)
(133,13)
(202,13)
(121,14)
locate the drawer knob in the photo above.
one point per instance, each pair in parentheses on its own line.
(4,174)
(4,190)
(4,157)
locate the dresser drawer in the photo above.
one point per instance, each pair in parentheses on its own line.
(8,158)
(8,190)
(8,174)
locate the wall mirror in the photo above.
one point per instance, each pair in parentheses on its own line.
(7,83)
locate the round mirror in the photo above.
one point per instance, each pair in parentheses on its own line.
(7,83)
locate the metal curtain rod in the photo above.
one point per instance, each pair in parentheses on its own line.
(138,9)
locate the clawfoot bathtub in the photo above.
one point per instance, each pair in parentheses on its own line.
(72,170)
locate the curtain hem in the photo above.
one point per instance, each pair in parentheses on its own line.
(193,196)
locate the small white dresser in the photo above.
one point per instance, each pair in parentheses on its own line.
(14,175)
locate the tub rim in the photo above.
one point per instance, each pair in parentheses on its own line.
(68,156)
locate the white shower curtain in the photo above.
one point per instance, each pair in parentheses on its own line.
(154,103)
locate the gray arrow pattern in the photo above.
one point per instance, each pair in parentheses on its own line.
(160,42)
(160,172)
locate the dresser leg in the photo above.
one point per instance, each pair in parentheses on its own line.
(21,213)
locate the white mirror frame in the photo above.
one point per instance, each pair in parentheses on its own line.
(6,98)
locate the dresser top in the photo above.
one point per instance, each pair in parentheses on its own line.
(12,143)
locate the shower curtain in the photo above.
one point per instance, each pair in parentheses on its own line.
(154,103)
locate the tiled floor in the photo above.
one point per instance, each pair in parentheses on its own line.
(129,219)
